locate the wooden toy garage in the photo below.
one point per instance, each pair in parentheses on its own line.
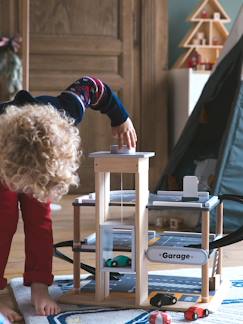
(167,247)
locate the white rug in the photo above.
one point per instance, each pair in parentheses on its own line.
(229,312)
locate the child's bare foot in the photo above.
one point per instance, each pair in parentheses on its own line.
(9,313)
(43,303)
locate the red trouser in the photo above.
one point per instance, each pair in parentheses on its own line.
(38,235)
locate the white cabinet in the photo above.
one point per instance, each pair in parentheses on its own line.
(186,86)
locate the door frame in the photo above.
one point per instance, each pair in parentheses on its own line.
(154,64)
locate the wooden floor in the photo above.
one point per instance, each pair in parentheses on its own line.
(63,228)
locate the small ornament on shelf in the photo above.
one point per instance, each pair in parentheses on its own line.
(215,41)
(201,67)
(204,14)
(208,65)
(203,41)
(216,16)
(175,223)
(196,41)
(200,39)
(200,35)
(194,60)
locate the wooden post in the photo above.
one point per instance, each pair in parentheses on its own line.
(141,230)
(77,245)
(205,246)
(219,231)
(25,31)
(102,190)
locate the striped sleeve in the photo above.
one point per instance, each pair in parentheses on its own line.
(93,93)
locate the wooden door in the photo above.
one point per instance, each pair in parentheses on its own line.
(123,42)
(70,39)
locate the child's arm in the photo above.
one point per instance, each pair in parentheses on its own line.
(86,92)
(93,93)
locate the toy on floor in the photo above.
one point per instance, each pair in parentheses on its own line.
(163,299)
(158,317)
(194,312)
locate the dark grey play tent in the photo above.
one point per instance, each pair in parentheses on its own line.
(211,144)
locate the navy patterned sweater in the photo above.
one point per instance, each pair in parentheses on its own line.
(85,92)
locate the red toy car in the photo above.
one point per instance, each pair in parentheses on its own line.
(158,317)
(194,312)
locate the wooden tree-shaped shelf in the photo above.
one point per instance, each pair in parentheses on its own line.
(205,40)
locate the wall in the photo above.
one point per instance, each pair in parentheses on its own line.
(179,10)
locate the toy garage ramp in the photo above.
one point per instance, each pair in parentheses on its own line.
(211,144)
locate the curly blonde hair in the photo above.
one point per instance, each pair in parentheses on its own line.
(39,151)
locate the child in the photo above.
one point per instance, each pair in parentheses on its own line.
(39,153)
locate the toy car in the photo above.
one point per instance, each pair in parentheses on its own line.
(163,299)
(194,312)
(158,317)
(118,261)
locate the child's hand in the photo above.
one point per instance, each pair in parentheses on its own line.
(126,134)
